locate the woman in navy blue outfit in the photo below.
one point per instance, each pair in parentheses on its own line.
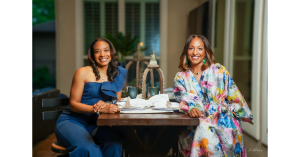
(95,89)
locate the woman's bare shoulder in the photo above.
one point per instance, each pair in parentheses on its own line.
(89,68)
(83,73)
(84,70)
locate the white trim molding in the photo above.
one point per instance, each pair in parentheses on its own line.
(121,16)
(254,129)
(79,34)
(264,88)
(213,15)
(229,35)
(163,26)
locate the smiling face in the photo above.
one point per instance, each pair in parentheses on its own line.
(102,53)
(196,51)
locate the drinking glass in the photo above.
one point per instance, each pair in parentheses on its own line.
(132,91)
(153,91)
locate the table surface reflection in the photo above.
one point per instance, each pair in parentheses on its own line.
(149,119)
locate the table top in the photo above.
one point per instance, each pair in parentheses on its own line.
(153,119)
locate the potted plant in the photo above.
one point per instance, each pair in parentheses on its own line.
(124,45)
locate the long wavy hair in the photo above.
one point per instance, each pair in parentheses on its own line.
(209,53)
(112,70)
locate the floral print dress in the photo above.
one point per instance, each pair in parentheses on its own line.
(219,132)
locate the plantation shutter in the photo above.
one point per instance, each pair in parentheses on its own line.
(152,29)
(92,23)
(132,19)
(111,18)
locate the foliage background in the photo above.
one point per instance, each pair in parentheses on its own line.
(42,11)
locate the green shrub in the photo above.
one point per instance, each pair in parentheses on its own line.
(42,78)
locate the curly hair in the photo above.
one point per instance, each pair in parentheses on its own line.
(112,70)
(209,53)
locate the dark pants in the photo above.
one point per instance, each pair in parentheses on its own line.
(82,140)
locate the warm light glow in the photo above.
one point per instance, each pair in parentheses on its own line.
(141,44)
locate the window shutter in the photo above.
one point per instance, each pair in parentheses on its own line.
(152,29)
(111,18)
(91,23)
(132,19)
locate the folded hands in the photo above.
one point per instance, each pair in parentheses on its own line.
(104,107)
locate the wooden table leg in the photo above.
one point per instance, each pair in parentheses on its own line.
(165,140)
(160,148)
(132,143)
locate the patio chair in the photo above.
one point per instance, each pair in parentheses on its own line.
(59,104)
(41,129)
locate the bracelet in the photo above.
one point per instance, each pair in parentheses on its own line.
(190,108)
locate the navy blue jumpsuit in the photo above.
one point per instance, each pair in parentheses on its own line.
(80,133)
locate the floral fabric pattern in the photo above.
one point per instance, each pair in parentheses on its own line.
(223,106)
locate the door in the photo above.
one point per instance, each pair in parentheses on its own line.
(243,26)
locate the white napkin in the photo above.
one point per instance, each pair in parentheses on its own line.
(175,104)
(139,96)
(159,101)
(122,103)
(139,103)
(145,111)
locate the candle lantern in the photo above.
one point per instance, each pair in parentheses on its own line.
(153,65)
(138,57)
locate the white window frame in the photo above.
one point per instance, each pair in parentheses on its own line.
(264,88)
(121,26)
(102,20)
(252,129)
(122,21)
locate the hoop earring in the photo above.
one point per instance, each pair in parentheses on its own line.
(204,61)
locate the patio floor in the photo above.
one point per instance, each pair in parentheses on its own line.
(254,148)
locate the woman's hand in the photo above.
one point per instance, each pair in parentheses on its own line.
(111,108)
(100,104)
(195,113)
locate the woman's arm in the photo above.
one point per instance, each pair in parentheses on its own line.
(178,91)
(237,103)
(76,92)
(188,100)
(104,108)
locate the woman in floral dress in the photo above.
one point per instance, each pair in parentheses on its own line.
(206,91)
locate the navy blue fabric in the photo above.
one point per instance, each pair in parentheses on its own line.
(41,90)
(110,88)
(71,125)
(61,95)
(80,142)
(93,92)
